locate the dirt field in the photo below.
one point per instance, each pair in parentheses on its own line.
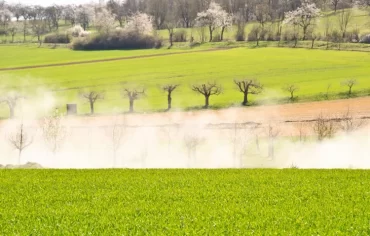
(359,107)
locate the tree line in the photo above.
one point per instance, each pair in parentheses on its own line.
(208,89)
(203,14)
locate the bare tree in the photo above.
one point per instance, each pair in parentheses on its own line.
(192,142)
(335,4)
(324,127)
(241,138)
(20,140)
(169,88)
(301,128)
(349,83)
(248,86)
(38,28)
(132,95)
(207,90)
(92,97)
(348,123)
(344,17)
(291,89)
(117,134)
(11,100)
(327,92)
(53,131)
(272,134)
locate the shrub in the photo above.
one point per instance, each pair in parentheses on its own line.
(179,36)
(3,32)
(57,38)
(118,39)
(76,31)
(365,39)
(216,38)
(270,36)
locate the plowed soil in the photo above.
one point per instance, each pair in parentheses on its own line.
(358,107)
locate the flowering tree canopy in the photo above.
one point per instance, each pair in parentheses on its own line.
(303,16)
(105,21)
(141,23)
(213,18)
(85,15)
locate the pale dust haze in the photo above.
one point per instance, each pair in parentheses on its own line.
(256,137)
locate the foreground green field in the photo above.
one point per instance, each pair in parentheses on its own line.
(194,202)
(311,70)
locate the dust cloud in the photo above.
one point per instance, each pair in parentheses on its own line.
(257,137)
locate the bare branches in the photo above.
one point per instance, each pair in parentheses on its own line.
(324,127)
(207,90)
(116,133)
(92,97)
(54,133)
(291,88)
(272,133)
(349,83)
(348,123)
(344,17)
(20,140)
(11,100)
(248,86)
(192,140)
(132,95)
(169,88)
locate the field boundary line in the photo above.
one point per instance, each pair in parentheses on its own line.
(109,59)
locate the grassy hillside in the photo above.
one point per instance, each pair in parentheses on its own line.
(174,202)
(30,55)
(311,70)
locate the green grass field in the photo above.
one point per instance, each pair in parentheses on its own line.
(186,202)
(311,70)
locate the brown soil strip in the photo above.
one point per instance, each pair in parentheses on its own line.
(108,59)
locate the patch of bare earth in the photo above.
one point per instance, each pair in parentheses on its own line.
(359,107)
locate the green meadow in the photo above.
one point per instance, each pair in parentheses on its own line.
(186,202)
(311,70)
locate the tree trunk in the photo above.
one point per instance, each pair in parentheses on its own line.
(171,40)
(258,41)
(304,33)
(206,102)
(169,99)
(11,112)
(222,33)
(245,101)
(131,105)
(271,148)
(19,156)
(12,38)
(313,42)
(210,34)
(91,108)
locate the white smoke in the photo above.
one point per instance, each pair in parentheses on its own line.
(231,138)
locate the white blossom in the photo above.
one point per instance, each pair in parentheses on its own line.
(105,21)
(141,23)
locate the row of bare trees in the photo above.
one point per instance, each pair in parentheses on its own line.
(243,135)
(244,86)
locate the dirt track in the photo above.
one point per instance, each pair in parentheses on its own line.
(359,107)
(107,60)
